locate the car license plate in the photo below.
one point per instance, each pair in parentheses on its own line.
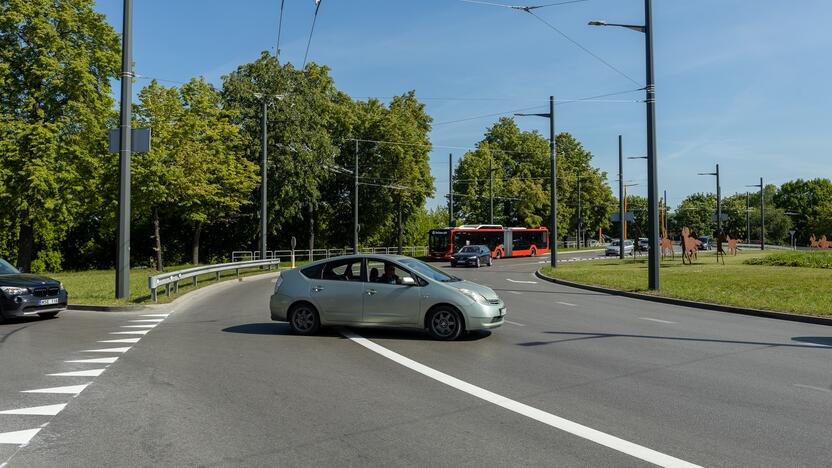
(44,302)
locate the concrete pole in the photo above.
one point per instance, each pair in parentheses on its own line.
(123,252)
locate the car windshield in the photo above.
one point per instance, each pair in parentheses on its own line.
(469,248)
(430,271)
(615,243)
(6,268)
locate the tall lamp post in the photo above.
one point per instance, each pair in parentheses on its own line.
(652,177)
(123,253)
(718,199)
(762,213)
(553,187)
(264,155)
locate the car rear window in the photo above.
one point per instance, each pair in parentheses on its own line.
(313,272)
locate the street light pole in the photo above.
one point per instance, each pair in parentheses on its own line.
(747,218)
(762,214)
(450,190)
(355,205)
(123,252)
(718,200)
(491,197)
(653,259)
(578,233)
(264,222)
(621,221)
(553,187)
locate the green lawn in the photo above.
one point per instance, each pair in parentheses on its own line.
(97,287)
(779,288)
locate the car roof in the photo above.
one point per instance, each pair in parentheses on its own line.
(358,257)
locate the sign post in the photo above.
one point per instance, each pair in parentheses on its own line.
(294,244)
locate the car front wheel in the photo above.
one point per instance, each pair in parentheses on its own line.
(304,319)
(445,324)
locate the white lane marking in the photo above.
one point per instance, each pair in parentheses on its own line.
(655,320)
(146,321)
(121,340)
(18,437)
(140,326)
(515,323)
(100,360)
(521,282)
(154,315)
(820,345)
(812,387)
(567,304)
(107,350)
(133,332)
(69,390)
(48,410)
(514,292)
(607,440)
(83,373)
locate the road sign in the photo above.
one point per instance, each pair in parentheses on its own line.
(791,233)
(724,217)
(628,216)
(139,140)
(294,242)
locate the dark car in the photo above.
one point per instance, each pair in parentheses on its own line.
(23,294)
(705,243)
(472,255)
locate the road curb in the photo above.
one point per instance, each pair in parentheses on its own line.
(693,304)
(104,308)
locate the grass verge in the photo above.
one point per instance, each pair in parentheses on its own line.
(97,287)
(799,258)
(798,290)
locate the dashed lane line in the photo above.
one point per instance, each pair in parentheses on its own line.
(557,422)
(18,437)
(520,282)
(132,332)
(121,340)
(146,321)
(656,320)
(569,304)
(515,323)
(107,350)
(103,360)
(140,326)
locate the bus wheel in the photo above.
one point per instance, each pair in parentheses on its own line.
(499,254)
(534,252)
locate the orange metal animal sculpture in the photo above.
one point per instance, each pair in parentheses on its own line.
(667,246)
(823,243)
(690,245)
(732,246)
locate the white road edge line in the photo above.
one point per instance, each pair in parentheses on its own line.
(515,323)
(567,304)
(655,320)
(607,440)
(521,282)
(514,292)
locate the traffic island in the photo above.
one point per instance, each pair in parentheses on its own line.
(743,285)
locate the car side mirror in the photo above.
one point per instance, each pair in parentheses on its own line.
(407,281)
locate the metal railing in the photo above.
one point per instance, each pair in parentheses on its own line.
(174,277)
(318,254)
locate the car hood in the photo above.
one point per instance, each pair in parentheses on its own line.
(24,280)
(486,292)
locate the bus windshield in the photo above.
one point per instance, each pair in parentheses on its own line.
(439,241)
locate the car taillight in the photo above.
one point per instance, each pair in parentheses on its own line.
(278,282)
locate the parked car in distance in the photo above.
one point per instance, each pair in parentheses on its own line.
(706,243)
(24,294)
(383,291)
(614,247)
(643,244)
(472,255)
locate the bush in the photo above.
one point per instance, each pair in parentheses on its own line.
(804,259)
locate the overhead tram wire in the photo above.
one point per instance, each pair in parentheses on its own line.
(312,31)
(279,30)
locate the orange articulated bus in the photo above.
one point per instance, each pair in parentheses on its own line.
(502,241)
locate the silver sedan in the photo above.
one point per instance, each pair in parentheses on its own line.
(383,291)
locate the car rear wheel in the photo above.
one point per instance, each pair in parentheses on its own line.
(304,319)
(445,324)
(478,262)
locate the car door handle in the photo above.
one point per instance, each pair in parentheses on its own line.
(371,292)
(317,289)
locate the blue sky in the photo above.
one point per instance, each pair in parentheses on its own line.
(742,83)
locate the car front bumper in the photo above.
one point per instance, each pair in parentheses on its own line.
(485,316)
(468,261)
(28,304)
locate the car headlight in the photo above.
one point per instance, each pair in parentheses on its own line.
(61,285)
(475,296)
(14,291)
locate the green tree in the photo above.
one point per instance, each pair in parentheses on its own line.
(778,223)
(695,212)
(807,199)
(56,63)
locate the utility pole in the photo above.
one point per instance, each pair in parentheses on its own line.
(450,190)
(123,253)
(355,205)
(718,204)
(578,235)
(747,218)
(664,214)
(553,186)
(491,197)
(653,258)
(762,216)
(621,198)
(264,220)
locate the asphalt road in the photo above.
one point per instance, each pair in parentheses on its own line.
(216,383)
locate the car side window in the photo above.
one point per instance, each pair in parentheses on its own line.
(385,272)
(343,270)
(313,272)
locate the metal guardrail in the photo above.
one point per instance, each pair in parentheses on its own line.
(174,277)
(318,254)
